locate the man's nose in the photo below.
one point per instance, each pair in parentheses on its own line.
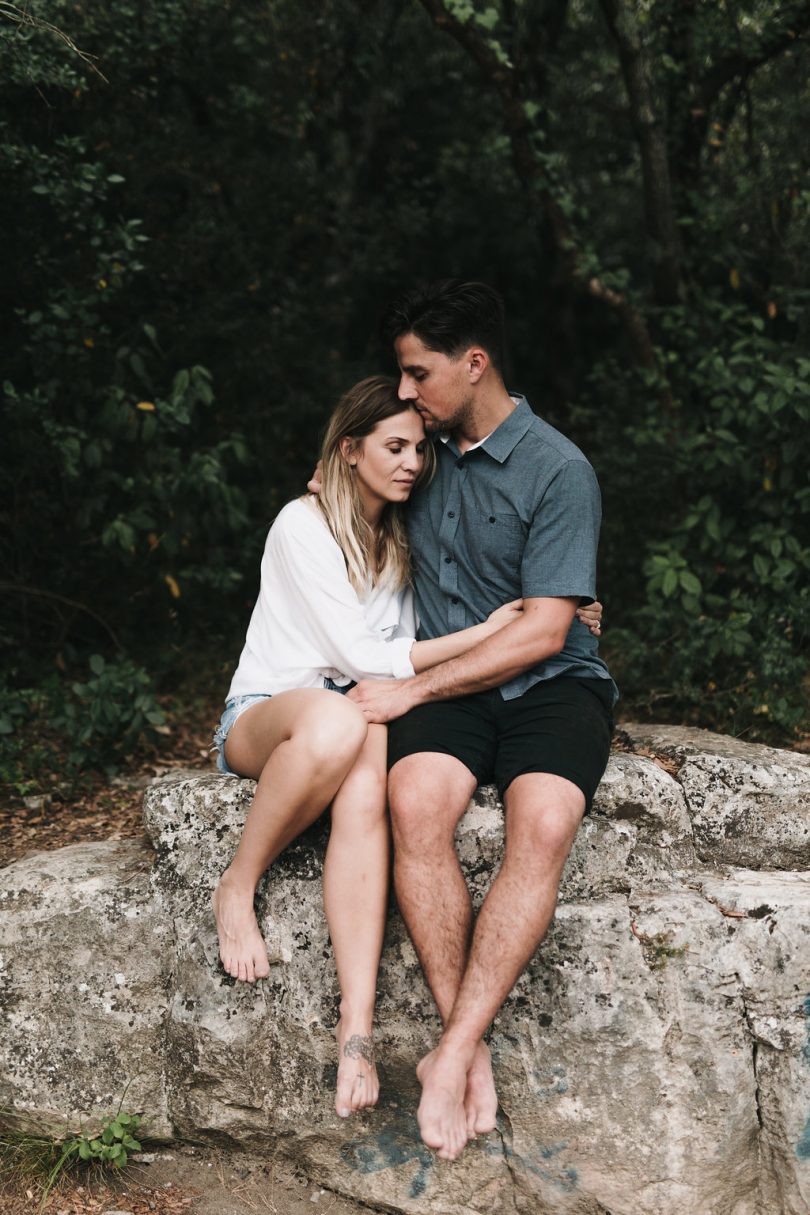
(407,388)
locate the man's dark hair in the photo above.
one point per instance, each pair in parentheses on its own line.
(449,316)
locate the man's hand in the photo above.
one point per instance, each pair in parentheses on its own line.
(315,482)
(382,700)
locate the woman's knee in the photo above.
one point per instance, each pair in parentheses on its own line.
(332,733)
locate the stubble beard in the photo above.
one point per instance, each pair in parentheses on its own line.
(455,421)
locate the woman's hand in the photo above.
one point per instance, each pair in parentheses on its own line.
(505,614)
(591,616)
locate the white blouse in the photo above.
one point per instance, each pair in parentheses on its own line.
(309,624)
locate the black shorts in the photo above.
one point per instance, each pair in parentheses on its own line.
(561,726)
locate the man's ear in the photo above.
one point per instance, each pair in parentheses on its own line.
(477,361)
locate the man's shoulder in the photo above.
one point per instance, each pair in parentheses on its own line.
(544,439)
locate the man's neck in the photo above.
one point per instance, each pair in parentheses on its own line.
(486,415)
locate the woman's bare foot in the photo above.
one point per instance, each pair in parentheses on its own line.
(441,1115)
(242,950)
(357,1084)
(480,1098)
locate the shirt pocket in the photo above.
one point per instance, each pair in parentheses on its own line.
(502,537)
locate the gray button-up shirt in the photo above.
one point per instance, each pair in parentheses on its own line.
(516,517)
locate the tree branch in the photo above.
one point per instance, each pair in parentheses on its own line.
(21,17)
(659,209)
(506,82)
(38,593)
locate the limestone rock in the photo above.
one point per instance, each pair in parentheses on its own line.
(749,804)
(654,1059)
(83,963)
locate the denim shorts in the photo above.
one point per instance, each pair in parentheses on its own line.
(235,707)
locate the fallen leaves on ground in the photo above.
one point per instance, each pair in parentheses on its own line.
(103,808)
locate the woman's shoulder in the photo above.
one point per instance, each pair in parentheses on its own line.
(300,519)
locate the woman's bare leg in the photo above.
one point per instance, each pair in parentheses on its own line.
(355,890)
(299,745)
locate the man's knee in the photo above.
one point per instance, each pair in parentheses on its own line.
(427,795)
(543,814)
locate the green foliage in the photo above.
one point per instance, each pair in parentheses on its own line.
(106,716)
(71,724)
(108,1146)
(724,612)
(202,245)
(38,1159)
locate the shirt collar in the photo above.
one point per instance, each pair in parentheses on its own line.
(505,438)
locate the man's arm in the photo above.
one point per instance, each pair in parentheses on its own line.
(538,634)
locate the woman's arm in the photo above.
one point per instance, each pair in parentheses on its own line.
(425,654)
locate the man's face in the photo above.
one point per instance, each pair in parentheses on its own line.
(438,386)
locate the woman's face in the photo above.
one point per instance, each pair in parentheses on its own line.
(388,461)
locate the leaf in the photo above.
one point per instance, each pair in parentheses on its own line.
(690,583)
(146,406)
(173,586)
(670,583)
(96,664)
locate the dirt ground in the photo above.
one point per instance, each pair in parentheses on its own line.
(188,1181)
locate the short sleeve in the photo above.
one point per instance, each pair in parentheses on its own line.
(559,558)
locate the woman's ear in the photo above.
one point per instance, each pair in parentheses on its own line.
(348,450)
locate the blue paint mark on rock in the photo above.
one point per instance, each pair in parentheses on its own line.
(537,1163)
(399,1143)
(803,1146)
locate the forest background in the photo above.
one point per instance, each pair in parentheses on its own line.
(205,206)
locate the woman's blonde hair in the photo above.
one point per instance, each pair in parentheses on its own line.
(371,557)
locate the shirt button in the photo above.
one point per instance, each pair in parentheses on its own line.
(492,518)
(459,463)
(448,561)
(451,514)
(454,599)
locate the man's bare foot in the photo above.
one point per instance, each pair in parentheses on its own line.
(480,1098)
(242,950)
(357,1084)
(441,1115)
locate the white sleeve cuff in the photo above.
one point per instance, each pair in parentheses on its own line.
(401,658)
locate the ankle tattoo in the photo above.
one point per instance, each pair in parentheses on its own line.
(360,1047)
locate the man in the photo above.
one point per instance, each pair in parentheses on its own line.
(513,511)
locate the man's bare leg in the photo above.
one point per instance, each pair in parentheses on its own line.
(543,813)
(355,889)
(428,793)
(299,745)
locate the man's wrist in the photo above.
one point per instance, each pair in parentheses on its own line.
(415,690)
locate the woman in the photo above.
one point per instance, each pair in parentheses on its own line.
(334,607)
